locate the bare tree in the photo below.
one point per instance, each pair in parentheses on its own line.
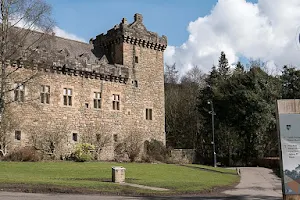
(171,74)
(49,140)
(96,135)
(131,146)
(181,109)
(194,75)
(19,22)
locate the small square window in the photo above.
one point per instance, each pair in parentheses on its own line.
(86,105)
(98,137)
(75,137)
(136,59)
(18,135)
(115,137)
(148,114)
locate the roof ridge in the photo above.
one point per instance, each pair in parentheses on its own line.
(40,32)
(71,40)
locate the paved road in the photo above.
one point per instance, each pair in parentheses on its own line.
(256,184)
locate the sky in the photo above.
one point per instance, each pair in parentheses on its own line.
(197,30)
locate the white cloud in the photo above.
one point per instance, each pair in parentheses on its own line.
(267,30)
(58,31)
(61,33)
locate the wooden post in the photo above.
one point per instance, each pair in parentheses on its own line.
(288,128)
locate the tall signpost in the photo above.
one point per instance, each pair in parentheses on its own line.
(288,126)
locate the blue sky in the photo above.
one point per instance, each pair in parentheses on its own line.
(197,30)
(88,18)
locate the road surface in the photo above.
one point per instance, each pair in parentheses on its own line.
(256,184)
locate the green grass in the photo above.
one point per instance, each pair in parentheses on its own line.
(95,176)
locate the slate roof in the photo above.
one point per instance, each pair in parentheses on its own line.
(70,54)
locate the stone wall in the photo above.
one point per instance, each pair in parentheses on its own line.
(143,88)
(183,156)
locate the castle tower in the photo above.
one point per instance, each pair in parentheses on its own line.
(133,46)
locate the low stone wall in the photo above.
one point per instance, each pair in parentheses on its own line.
(269,162)
(183,156)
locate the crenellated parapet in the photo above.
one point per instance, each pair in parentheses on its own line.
(102,71)
(134,33)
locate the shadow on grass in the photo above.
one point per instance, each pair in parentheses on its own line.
(209,170)
(106,180)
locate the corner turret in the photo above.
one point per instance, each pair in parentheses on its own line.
(135,33)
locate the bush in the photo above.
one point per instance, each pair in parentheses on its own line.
(155,151)
(120,154)
(83,152)
(25,154)
(129,148)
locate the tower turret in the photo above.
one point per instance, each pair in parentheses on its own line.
(112,45)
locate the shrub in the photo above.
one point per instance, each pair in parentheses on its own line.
(130,148)
(120,154)
(83,152)
(155,151)
(25,154)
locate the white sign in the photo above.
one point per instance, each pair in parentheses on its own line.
(290,147)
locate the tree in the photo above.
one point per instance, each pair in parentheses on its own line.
(96,135)
(245,121)
(194,76)
(290,83)
(171,74)
(181,112)
(223,67)
(129,147)
(49,140)
(19,20)
(239,68)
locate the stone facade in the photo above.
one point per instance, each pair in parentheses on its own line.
(124,65)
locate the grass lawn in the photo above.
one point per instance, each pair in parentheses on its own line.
(96,177)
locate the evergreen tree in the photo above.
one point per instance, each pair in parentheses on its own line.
(239,67)
(290,83)
(223,67)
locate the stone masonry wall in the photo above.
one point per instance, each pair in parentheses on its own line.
(35,118)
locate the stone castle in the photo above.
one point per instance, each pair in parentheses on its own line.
(101,92)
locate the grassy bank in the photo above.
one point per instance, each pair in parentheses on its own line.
(96,177)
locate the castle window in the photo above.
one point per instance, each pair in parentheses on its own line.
(116,102)
(148,114)
(98,137)
(136,59)
(86,105)
(18,135)
(136,83)
(45,94)
(97,100)
(115,138)
(19,92)
(75,137)
(67,97)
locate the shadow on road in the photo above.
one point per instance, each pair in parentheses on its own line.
(242,197)
(210,170)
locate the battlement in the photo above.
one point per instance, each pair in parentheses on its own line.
(134,33)
(101,58)
(102,71)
